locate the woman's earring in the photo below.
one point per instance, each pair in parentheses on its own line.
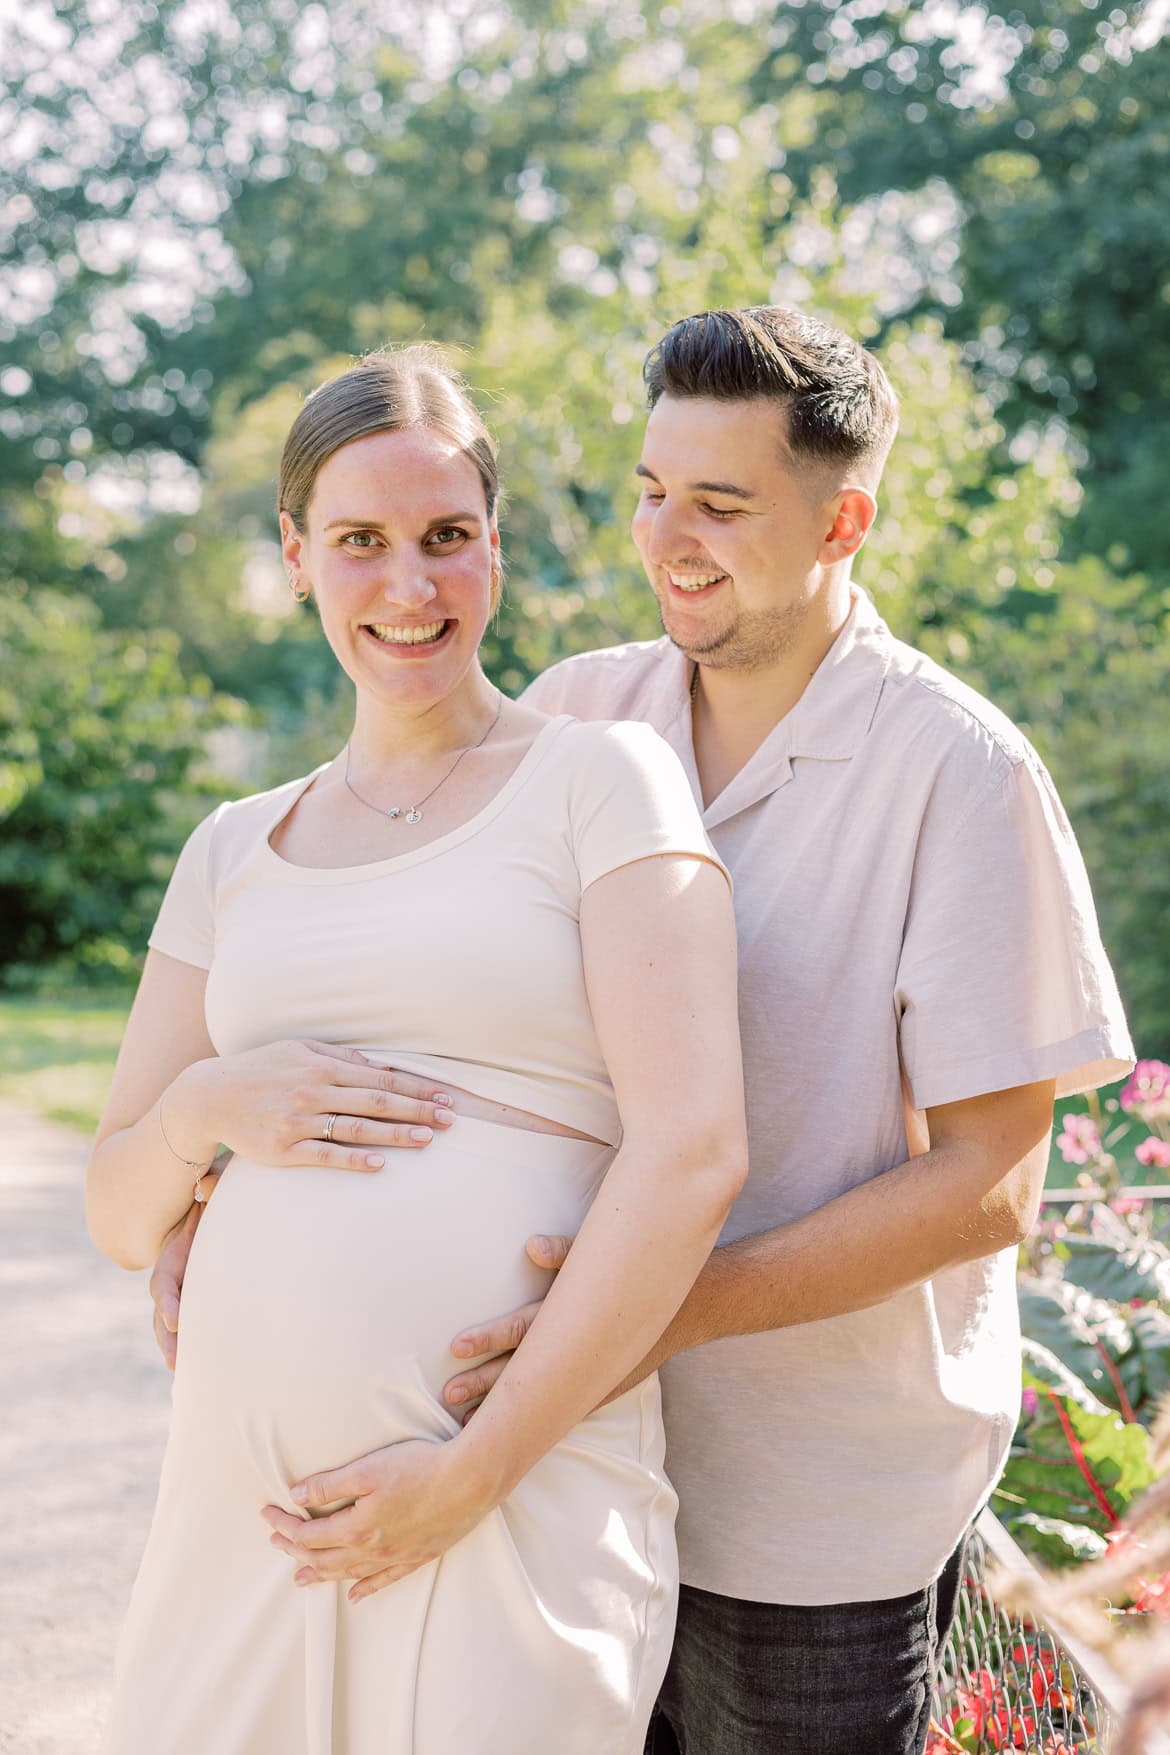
(300,592)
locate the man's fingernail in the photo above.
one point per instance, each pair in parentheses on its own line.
(299,1495)
(544,1245)
(456,1395)
(463,1350)
(422,1134)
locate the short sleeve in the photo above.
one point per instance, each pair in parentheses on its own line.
(185,927)
(1003,979)
(630,799)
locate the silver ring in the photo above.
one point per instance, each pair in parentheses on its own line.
(330,1123)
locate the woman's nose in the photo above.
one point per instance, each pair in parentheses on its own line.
(408,587)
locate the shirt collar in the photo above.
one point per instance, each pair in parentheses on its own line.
(828,723)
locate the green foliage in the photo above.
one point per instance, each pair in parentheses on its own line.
(207,212)
(99,739)
(1087,1479)
(1096,1365)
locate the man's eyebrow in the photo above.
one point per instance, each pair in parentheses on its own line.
(731,488)
(377,524)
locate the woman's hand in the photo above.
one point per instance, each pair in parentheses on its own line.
(408,1504)
(273,1104)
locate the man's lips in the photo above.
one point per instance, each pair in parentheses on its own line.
(695,585)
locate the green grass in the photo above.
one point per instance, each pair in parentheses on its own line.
(56,1055)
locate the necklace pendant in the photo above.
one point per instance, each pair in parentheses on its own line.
(414,815)
(394,811)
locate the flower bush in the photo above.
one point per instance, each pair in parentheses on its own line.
(1094,1301)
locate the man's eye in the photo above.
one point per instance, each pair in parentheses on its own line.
(719,511)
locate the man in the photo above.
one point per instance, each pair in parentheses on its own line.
(920,972)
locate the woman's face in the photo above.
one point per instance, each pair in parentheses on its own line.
(398,550)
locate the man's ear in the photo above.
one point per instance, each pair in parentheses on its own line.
(850,514)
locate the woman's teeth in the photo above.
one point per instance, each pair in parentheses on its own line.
(696,581)
(416,636)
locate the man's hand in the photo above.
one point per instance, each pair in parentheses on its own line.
(499,1338)
(166,1282)
(407,1504)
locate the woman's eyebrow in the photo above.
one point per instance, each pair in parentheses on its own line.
(377,524)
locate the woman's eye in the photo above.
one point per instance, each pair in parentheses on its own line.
(361,538)
(448,536)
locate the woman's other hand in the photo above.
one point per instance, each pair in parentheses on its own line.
(407,1504)
(276,1104)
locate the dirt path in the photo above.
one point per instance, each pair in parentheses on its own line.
(83,1404)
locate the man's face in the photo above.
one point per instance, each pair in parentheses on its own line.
(729,530)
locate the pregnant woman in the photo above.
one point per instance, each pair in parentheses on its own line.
(523,912)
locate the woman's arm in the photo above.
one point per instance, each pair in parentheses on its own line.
(173,1101)
(659,948)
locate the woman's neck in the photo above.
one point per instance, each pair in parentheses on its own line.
(385,735)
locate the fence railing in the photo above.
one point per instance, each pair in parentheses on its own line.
(1154,1194)
(1026,1688)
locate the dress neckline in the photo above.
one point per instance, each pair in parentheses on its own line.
(325,874)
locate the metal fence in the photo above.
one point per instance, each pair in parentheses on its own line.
(1018,1687)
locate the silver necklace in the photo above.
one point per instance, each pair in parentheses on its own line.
(413,814)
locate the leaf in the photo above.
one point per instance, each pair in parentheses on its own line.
(1054,1541)
(1121,1274)
(1044,1476)
(1151,1332)
(1044,1370)
(1072,1324)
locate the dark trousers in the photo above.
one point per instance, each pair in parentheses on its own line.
(767,1679)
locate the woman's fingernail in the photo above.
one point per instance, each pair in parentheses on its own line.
(442,1097)
(375,1161)
(456,1395)
(422,1134)
(299,1495)
(544,1245)
(444,1117)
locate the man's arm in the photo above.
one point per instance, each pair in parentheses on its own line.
(975,1190)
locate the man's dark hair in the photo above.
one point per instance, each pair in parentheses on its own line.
(840,407)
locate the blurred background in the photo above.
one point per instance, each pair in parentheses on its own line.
(204,208)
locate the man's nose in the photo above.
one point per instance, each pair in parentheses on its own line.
(667,538)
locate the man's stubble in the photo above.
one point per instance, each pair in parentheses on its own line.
(755,640)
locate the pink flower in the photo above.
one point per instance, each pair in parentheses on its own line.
(1154,1151)
(1029,1400)
(1147,1091)
(1080,1140)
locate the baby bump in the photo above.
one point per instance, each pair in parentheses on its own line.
(320,1305)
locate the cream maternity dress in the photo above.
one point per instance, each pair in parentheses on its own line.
(319,1305)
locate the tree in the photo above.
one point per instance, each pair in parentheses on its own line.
(101,744)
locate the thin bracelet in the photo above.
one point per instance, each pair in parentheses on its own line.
(191,1163)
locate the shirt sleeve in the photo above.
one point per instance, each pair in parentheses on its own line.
(630,799)
(1003,979)
(185,927)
